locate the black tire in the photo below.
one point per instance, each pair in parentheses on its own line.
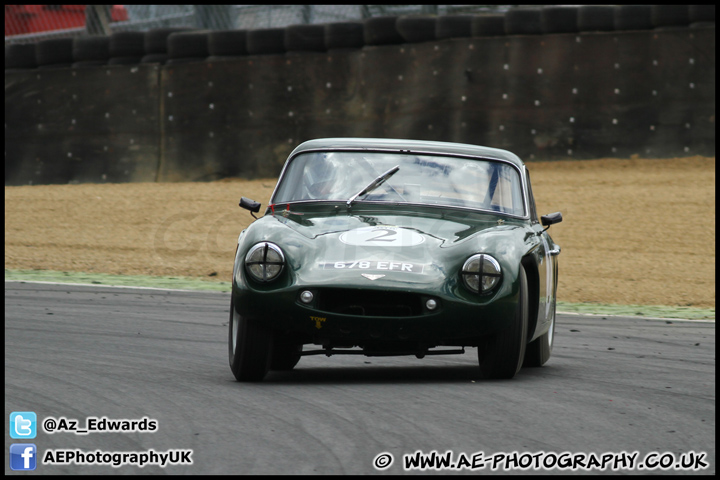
(249,348)
(124,60)
(670,15)
(453,26)
(156,39)
(89,63)
(127,44)
(286,353)
(491,25)
(227,43)
(188,45)
(381,31)
(95,47)
(54,51)
(702,25)
(225,58)
(501,355)
(177,61)
(416,28)
(344,35)
(266,41)
(701,13)
(538,351)
(55,65)
(559,19)
(633,17)
(523,21)
(160,58)
(305,38)
(596,18)
(20,56)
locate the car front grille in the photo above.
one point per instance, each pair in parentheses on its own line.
(369,303)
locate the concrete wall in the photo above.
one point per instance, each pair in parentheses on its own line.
(557,96)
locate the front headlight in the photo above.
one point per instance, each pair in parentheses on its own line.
(481,273)
(264,262)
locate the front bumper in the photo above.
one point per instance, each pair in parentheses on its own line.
(346,317)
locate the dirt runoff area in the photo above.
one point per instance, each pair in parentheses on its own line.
(635,231)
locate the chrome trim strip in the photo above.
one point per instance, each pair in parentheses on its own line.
(395,204)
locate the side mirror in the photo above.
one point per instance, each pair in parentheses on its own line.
(551,219)
(250,205)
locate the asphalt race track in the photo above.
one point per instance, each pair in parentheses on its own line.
(613,385)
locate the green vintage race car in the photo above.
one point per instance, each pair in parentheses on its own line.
(395,247)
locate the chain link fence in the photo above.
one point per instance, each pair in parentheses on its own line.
(31,23)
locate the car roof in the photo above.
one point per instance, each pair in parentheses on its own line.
(404,145)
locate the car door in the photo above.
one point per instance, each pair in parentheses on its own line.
(546,256)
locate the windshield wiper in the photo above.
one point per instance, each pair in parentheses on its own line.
(374,184)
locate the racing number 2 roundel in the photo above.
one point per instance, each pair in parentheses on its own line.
(386,236)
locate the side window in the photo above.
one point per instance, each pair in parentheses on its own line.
(531,199)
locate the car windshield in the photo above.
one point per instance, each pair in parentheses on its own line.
(421,179)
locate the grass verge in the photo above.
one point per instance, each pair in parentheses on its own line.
(192,283)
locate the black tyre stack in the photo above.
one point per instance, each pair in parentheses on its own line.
(54,53)
(633,17)
(174,45)
(701,15)
(227,45)
(559,19)
(596,18)
(416,28)
(91,51)
(156,49)
(344,35)
(523,21)
(266,41)
(670,16)
(490,25)
(126,48)
(453,26)
(20,56)
(382,31)
(185,47)
(305,38)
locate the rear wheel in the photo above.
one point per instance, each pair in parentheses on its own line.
(502,354)
(249,348)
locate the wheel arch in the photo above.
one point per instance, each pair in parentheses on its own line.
(531,270)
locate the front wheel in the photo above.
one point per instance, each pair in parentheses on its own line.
(286,353)
(502,354)
(249,348)
(538,352)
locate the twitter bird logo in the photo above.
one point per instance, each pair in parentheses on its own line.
(23,425)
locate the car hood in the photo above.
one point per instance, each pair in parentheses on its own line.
(381,247)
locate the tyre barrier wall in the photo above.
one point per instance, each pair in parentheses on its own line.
(181,105)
